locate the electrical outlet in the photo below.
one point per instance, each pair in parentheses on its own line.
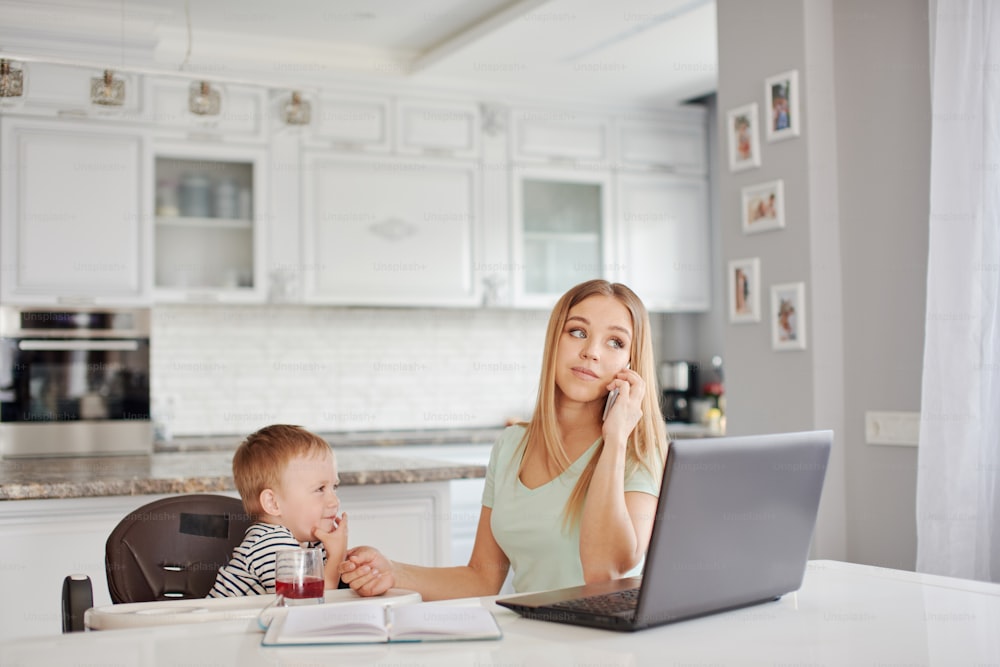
(892,428)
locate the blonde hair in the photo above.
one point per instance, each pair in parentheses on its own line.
(646,445)
(261,459)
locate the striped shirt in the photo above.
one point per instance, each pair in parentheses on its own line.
(251,569)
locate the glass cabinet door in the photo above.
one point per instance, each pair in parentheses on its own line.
(208,225)
(562,229)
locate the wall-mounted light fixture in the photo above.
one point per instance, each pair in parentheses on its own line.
(11,79)
(203,99)
(297,111)
(106,90)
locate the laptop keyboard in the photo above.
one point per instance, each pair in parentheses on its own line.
(606,604)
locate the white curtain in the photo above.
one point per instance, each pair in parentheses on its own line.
(958,477)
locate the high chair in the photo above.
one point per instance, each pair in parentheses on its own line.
(168,549)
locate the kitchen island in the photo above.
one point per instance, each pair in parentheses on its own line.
(56,513)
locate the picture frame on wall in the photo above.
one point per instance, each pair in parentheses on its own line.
(781,95)
(743,135)
(744,290)
(763,207)
(788,316)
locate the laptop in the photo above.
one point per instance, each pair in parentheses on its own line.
(733,527)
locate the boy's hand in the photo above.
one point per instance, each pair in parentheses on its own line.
(335,541)
(367,571)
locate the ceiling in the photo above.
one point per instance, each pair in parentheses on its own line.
(652,53)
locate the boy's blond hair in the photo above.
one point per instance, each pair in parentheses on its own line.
(261,459)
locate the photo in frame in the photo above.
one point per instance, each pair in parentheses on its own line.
(781,95)
(763,207)
(744,137)
(788,316)
(744,290)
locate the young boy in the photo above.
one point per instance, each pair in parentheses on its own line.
(287,478)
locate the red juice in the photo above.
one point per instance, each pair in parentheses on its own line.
(308,587)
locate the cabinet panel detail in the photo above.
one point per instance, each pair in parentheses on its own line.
(559,136)
(678,147)
(390,231)
(241,110)
(74,213)
(438,128)
(352,122)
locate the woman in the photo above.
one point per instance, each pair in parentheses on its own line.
(569,498)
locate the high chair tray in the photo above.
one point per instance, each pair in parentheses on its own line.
(176,612)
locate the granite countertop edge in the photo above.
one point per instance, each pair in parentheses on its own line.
(197,472)
(461,436)
(201,464)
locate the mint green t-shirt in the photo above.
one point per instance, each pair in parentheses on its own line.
(528,523)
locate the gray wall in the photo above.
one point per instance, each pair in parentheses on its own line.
(883,126)
(856,233)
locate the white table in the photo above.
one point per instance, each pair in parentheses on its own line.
(844,614)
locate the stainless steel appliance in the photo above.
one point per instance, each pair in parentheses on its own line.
(678,385)
(74,381)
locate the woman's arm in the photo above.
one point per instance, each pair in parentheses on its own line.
(370,573)
(615,526)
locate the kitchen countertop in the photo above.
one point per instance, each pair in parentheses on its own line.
(457,436)
(463,436)
(202,464)
(198,472)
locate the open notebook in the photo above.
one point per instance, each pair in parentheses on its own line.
(367,622)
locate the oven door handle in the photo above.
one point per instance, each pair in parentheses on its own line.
(80,345)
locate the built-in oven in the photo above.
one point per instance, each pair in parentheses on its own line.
(74,381)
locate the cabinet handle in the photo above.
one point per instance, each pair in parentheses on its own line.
(79,345)
(76,300)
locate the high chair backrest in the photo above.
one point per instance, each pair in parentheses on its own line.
(172,548)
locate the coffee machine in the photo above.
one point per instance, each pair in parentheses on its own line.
(678,385)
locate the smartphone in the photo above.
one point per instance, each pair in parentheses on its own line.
(612,397)
(611,401)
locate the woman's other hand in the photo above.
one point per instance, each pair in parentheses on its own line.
(367,571)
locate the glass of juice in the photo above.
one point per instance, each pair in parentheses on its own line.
(299,576)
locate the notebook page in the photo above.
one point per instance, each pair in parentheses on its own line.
(419,621)
(334,620)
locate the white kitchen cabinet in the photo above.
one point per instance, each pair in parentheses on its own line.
(76,205)
(679,145)
(241,116)
(46,540)
(432,127)
(466,494)
(664,251)
(389,231)
(350,121)
(560,135)
(562,232)
(209,228)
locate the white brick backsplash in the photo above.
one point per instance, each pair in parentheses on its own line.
(232,369)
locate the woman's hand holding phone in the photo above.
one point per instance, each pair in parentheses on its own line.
(626,393)
(613,396)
